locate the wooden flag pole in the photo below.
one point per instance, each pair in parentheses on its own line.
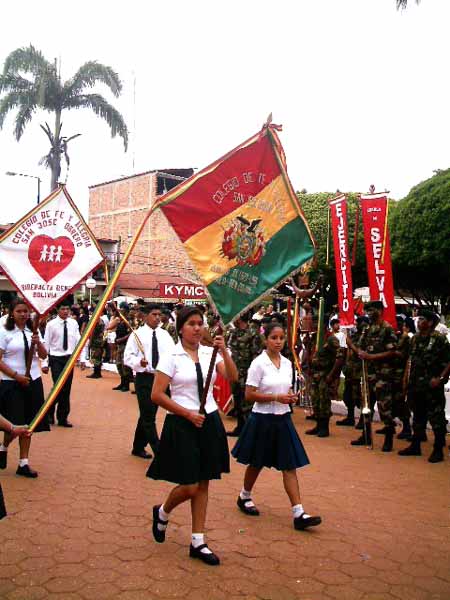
(207,383)
(36,321)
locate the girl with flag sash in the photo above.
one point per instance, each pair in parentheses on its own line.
(193,447)
(21,394)
(269,438)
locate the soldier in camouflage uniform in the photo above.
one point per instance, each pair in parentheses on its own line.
(352,372)
(96,349)
(123,332)
(168,325)
(377,347)
(245,344)
(400,406)
(430,368)
(325,366)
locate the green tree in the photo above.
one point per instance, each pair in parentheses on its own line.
(420,240)
(315,207)
(29,82)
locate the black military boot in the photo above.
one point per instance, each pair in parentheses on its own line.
(439,442)
(96,374)
(125,386)
(413,449)
(362,440)
(382,431)
(120,386)
(388,439)
(324,430)
(347,422)
(314,430)
(405,433)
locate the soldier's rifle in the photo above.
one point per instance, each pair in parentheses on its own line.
(365,405)
(139,344)
(365,398)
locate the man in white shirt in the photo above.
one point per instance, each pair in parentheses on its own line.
(143,358)
(61,337)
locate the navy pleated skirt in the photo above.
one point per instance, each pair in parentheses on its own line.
(270,441)
(21,404)
(188,454)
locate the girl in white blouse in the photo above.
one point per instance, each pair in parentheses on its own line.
(21,395)
(269,438)
(193,448)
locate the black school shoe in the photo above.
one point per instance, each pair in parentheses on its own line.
(158,534)
(208,558)
(248,510)
(302,522)
(26,471)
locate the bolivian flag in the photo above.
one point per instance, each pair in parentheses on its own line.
(241,224)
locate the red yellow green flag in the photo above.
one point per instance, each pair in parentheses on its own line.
(241,223)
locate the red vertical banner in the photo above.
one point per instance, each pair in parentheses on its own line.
(374,208)
(338,210)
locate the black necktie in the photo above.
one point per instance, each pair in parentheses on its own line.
(198,368)
(155,353)
(26,348)
(65,339)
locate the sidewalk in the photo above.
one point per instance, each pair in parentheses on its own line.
(82,529)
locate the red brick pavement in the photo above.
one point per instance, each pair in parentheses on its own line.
(81,531)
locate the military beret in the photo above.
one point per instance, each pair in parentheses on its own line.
(429,315)
(377,304)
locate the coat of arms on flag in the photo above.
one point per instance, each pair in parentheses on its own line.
(241,223)
(49,251)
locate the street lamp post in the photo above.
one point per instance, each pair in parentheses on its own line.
(12,174)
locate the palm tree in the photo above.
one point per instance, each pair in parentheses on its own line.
(30,82)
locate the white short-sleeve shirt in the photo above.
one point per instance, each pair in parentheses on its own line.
(179,366)
(13,347)
(265,376)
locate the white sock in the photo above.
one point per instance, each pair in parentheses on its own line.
(163,516)
(245,495)
(298,511)
(197,540)
(23,462)
(3,448)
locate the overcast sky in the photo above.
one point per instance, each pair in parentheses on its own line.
(361,89)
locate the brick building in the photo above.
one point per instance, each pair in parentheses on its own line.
(116,209)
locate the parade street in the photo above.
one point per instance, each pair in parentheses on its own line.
(82,530)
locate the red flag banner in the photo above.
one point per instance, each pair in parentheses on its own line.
(374,209)
(338,209)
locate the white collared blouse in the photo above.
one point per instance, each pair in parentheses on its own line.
(268,379)
(180,367)
(13,348)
